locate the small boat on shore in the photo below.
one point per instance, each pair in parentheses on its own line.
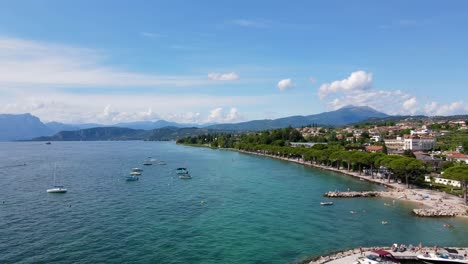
(446,255)
(326,203)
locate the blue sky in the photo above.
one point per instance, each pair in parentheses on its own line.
(230,61)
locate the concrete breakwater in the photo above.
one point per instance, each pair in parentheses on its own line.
(352,194)
(351,255)
(435,212)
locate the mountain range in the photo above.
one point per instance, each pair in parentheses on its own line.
(27,126)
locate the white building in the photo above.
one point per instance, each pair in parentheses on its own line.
(417,143)
(396,144)
(449,182)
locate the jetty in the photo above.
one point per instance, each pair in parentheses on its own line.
(438,212)
(352,194)
(351,255)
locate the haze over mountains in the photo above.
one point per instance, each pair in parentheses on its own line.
(27,126)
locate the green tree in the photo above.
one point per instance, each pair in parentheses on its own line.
(459,173)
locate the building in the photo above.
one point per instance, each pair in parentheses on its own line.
(416,143)
(440,180)
(374,149)
(394,144)
(458,157)
(305,144)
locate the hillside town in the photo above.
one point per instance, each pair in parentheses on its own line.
(439,144)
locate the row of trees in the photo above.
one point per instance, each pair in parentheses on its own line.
(409,170)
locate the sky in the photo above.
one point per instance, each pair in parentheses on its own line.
(230,61)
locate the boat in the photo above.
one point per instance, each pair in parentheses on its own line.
(48,143)
(57,188)
(147,163)
(162,163)
(446,255)
(135,173)
(185,176)
(326,203)
(183,173)
(137,170)
(378,257)
(132,178)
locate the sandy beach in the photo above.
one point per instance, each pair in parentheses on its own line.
(426,199)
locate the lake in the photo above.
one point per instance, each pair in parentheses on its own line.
(237,208)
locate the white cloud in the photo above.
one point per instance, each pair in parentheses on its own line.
(25,63)
(356,90)
(409,104)
(218,115)
(359,80)
(252,23)
(231,76)
(285,84)
(150,34)
(455,108)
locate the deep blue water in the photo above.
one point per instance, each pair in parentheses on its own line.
(238,208)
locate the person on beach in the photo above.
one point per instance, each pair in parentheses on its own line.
(360,250)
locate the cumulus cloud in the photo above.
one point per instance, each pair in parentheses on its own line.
(218,115)
(358,80)
(357,90)
(285,84)
(409,104)
(455,108)
(231,76)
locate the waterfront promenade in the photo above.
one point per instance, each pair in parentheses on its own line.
(426,199)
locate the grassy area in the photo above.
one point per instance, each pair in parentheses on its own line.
(444,188)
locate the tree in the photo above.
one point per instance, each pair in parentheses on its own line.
(459,173)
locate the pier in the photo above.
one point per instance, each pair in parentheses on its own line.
(352,194)
(438,212)
(351,255)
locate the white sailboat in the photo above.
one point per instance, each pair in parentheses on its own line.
(57,188)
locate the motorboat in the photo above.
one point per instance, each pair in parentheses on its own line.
(48,143)
(162,163)
(132,178)
(378,257)
(326,203)
(147,163)
(182,171)
(135,173)
(446,255)
(137,170)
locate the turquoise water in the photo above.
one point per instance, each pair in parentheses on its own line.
(238,208)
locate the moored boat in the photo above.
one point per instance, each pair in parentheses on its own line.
(132,178)
(326,203)
(137,170)
(135,173)
(446,255)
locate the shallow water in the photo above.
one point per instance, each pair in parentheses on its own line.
(238,208)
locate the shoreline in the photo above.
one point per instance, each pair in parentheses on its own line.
(398,191)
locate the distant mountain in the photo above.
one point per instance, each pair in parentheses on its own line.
(172,133)
(98,133)
(342,116)
(121,133)
(148,125)
(22,126)
(57,127)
